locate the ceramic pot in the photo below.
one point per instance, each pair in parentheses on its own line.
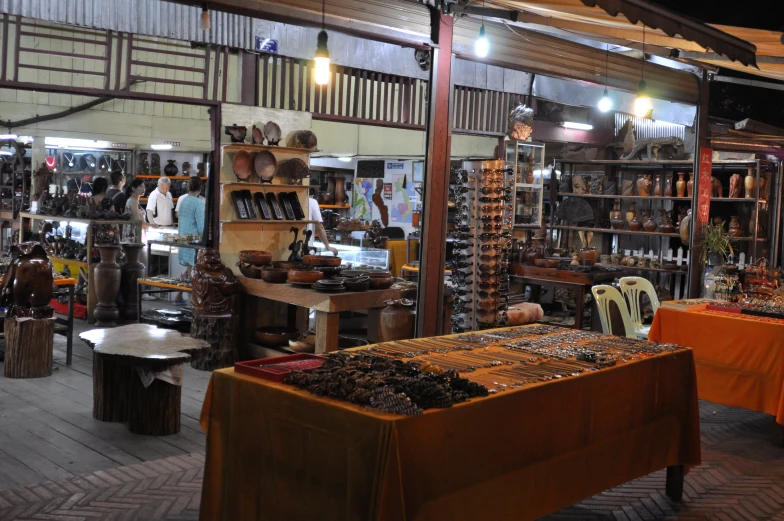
(635,225)
(340,190)
(680,185)
(717,221)
(132,269)
(171,169)
(631,213)
(616,217)
(735,229)
(667,186)
(748,183)
(529,175)
(329,198)
(588,256)
(657,185)
(644,185)
(107,285)
(690,186)
(665,222)
(648,222)
(397,320)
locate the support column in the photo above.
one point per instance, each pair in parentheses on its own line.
(695,252)
(436,183)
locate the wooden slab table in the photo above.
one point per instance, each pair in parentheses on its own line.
(327,306)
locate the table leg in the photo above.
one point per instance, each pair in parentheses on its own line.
(674,485)
(149,250)
(327,331)
(374,325)
(578,320)
(138,303)
(778,435)
(302,321)
(69,324)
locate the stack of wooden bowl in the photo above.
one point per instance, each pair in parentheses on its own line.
(252,261)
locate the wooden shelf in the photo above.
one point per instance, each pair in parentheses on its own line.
(257,148)
(656,270)
(175,177)
(335,206)
(636,197)
(69,262)
(528,185)
(267,221)
(609,230)
(734,200)
(235,184)
(74,219)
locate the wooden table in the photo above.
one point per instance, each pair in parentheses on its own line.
(327,306)
(277,453)
(574,280)
(118,392)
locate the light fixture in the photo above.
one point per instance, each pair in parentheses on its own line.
(205,18)
(577,126)
(8,136)
(605,104)
(642,103)
(345,159)
(161,147)
(482,44)
(6,153)
(321,74)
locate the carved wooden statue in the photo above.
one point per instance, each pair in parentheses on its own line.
(214,285)
(716,189)
(27,284)
(735,183)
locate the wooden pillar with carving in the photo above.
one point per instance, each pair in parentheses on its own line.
(694,288)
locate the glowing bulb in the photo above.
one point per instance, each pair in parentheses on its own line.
(321,74)
(482,44)
(642,103)
(605,104)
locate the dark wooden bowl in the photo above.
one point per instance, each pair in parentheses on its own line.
(242,165)
(287,265)
(274,275)
(381,282)
(319,260)
(265,164)
(250,271)
(305,276)
(357,285)
(274,336)
(255,257)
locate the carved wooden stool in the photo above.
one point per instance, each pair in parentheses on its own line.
(121,356)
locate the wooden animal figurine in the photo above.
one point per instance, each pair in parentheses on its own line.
(306,247)
(716,189)
(295,246)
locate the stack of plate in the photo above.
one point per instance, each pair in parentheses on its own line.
(329,286)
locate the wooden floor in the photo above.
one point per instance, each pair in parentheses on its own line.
(47,432)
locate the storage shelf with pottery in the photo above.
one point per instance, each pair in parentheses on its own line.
(524,157)
(641,233)
(616,196)
(89,265)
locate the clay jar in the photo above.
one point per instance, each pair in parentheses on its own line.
(171,168)
(644,185)
(635,225)
(397,320)
(631,213)
(132,270)
(735,229)
(107,285)
(588,256)
(665,222)
(616,217)
(648,222)
(680,185)
(690,185)
(749,182)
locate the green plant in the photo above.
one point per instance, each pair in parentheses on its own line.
(716,240)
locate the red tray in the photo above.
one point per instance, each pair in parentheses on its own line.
(276,369)
(723,308)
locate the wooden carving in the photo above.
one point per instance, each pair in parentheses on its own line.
(716,189)
(214,285)
(27,284)
(735,184)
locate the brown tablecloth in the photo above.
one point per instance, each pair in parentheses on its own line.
(277,453)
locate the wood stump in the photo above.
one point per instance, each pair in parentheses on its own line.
(219,332)
(154,410)
(111,380)
(29,346)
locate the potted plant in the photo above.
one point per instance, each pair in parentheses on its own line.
(716,244)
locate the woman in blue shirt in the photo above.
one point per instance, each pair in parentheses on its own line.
(191,221)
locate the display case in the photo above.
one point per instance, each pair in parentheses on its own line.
(357,256)
(74,166)
(526,159)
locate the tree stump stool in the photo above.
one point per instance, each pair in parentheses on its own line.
(119,393)
(29,345)
(219,332)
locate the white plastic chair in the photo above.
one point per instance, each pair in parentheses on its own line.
(631,287)
(604,295)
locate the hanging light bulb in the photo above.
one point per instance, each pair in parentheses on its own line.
(642,103)
(205,18)
(321,73)
(482,44)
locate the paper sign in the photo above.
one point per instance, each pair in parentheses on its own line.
(172,143)
(387,190)
(266,45)
(704,195)
(395,166)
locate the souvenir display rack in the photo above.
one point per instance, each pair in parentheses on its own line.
(524,158)
(482,223)
(14,187)
(81,164)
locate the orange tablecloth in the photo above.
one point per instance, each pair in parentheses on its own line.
(277,453)
(740,362)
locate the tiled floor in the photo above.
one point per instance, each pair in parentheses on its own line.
(58,463)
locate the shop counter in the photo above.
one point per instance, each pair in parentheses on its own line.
(739,359)
(275,452)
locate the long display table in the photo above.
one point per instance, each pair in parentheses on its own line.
(275,452)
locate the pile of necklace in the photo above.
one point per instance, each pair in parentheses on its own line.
(386,384)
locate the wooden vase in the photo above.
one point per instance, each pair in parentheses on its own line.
(648,222)
(107,285)
(644,185)
(657,186)
(667,186)
(680,185)
(690,185)
(616,217)
(749,183)
(735,229)
(631,213)
(132,270)
(397,322)
(329,197)
(340,191)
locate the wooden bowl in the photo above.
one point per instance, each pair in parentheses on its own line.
(255,257)
(265,164)
(250,271)
(381,282)
(353,273)
(378,274)
(330,272)
(287,265)
(274,336)
(242,165)
(319,260)
(303,345)
(305,276)
(362,284)
(272,132)
(274,275)
(256,136)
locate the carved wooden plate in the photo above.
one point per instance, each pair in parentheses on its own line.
(295,169)
(256,136)
(265,165)
(242,165)
(272,133)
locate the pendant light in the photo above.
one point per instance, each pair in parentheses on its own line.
(205,18)
(642,103)
(482,44)
(322,52)
(605,104)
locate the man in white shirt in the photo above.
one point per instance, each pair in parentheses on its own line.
(315,215)
(160,204)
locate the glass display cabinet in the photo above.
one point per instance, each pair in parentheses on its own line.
(526,159)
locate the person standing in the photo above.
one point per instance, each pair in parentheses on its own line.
(190,221)
(182,198)
(160,205)
(115,192)
(314,213)
(98,191)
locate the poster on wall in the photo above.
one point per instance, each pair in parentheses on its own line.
(704,194)
(387,190)
(390,200)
